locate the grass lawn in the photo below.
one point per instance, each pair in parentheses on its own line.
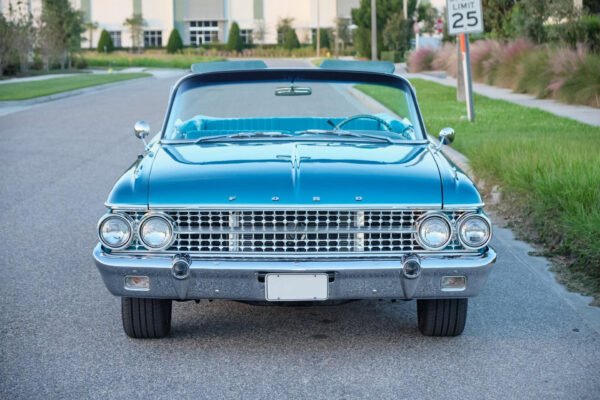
(547,167)
(148,59)
(32,89)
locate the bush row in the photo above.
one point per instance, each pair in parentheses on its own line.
(564,74)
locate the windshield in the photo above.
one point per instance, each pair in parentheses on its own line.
(292,109)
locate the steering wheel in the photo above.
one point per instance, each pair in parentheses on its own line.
(364,116)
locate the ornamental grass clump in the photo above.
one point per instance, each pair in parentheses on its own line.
(445,59)
(561,73)
(510,56)
(420,59)
(583,86)
(534,73)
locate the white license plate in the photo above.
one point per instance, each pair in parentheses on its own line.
(296,287)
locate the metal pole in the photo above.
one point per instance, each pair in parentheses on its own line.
(318,28)
(405,9)
(460,75)
(373,30)
(466,57)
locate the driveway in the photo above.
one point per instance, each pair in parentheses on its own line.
(60,329)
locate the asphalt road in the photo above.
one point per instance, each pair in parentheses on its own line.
(60,329)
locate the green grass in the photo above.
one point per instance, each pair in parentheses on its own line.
(148,60)
(389,97)
(548,169)
(32,89)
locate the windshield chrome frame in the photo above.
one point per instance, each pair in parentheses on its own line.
(303,74)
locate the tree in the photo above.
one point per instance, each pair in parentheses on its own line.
(325,38)
(497,16)
(136,25)
(22,36)
(105,44)
(290,40)
(283,26)
(397,33)
(427,16)
(7,35)
(60,28)
(342,30)
(362,18)
(175,44)
(90,27)
(235,42)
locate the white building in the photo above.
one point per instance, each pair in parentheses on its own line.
(205,21)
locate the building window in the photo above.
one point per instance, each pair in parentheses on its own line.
(152,38)
(246,35)
(202,32)
(116,38)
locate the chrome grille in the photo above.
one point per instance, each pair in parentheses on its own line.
(295,231)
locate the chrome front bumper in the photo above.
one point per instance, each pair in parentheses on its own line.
(244,279)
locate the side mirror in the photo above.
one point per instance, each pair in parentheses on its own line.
(142,130)
(446,136)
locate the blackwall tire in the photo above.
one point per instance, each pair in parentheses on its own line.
(442,317)
(146,318)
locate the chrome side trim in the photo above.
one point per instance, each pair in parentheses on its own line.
(125,207)
(449,207)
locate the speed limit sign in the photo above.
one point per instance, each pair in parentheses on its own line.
(464,16)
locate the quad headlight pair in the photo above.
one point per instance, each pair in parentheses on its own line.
(434,231)
(155,231)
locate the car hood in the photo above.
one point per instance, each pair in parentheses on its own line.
(293,173)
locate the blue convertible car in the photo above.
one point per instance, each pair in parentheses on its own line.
(293,185)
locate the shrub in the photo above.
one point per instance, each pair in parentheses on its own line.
(290,39)
(421,59)
(105,44)
(234,42)
(395,56)
(175,44)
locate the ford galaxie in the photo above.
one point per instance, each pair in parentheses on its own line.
(276,186)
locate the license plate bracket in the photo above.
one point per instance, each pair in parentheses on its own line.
(296,287)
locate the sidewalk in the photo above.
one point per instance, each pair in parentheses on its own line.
(584,114)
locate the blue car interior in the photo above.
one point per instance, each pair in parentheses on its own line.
(201,125)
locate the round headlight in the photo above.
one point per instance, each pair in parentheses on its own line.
(156,231)
(115,231)
(434,231)
(474,231)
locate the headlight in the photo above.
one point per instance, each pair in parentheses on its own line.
(434,231)
(474,231)
(156,231)
(115,231)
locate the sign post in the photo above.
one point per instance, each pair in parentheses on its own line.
(465,17)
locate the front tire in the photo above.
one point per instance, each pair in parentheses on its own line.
(146,318)
(442,317)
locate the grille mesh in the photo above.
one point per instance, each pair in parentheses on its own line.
(295,231)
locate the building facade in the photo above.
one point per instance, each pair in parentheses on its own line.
(205,21)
